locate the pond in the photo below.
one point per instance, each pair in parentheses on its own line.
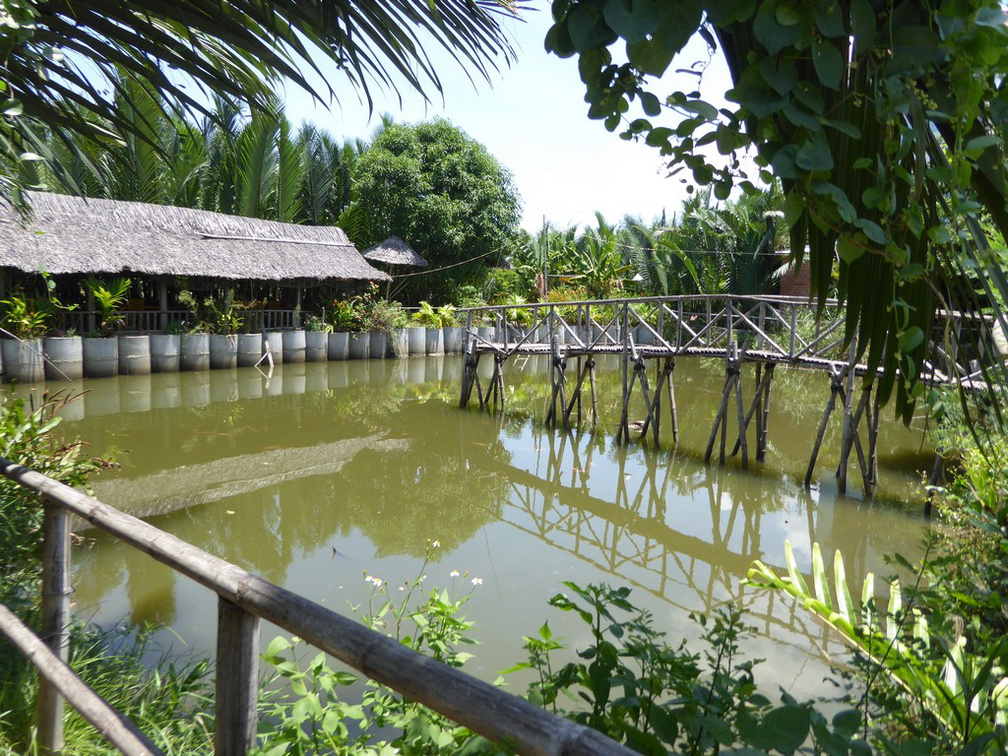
(325,472)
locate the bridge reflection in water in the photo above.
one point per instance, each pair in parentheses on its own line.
(692,562)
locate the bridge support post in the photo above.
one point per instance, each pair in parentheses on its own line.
(585,369)
(470,362)
(558,378)
(851,439)
(495,391)
(837,375)
(732,368)
(760,409)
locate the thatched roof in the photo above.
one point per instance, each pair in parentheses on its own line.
(75,235)
(394,251)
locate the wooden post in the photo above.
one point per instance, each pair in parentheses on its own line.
(55,620)
(163,303)
(741,421)
(671,398)
(836,387)
(237,679)
(761,442)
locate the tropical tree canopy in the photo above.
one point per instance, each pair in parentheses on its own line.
(884,121)
(65,61)
(442,192)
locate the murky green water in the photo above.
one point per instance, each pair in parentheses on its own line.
(329,470)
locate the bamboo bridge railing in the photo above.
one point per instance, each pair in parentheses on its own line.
(244,599)
(766,331)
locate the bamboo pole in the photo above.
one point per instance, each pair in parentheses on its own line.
(237,679)
(477,705)
(836,387)
(53,670)
(55,620)
(761,444)
(742,431)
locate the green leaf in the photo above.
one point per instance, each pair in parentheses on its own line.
(632,22)
(814,154)
(794,206)
(863,24)
(827,62)
(819,579)
(872,230)
(651,104)
(773,35)
(651,56)
(829,18)
(788,726)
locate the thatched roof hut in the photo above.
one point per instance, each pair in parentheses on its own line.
(394,251)
(72,235)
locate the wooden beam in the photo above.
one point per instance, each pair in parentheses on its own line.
(53,670)
(55,621)
(237,679)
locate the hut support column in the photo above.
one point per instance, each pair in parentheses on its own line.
(721,419)
(163,304)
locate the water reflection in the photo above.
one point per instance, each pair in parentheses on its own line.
(319,471)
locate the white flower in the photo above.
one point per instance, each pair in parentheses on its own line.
(477,581)
(436,544)
(453,573)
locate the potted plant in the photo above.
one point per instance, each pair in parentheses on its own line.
(223,322)
(194,345)
(451,332)
(428,317)
(24,320)
(101,351)
(359,340)
(341,322)
(386,323)
(294,340)
(316,339)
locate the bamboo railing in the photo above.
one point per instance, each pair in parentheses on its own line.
(244,599)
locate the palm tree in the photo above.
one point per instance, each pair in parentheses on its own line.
(63,58)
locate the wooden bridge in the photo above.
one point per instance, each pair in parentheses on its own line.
(763,331)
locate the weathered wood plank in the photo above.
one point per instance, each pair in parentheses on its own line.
(112,725)
(237,679)
(55,620)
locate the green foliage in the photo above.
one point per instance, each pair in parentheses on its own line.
(442,192)
(442,317)
(109,300)
(631,685)
(312,717)
(240,55)
(964,692)
(366,312)
(883,121)
(28,437)
(26,317)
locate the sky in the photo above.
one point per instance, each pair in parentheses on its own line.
(532,117)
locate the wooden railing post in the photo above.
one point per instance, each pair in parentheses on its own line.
(55,620)
(237,679)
